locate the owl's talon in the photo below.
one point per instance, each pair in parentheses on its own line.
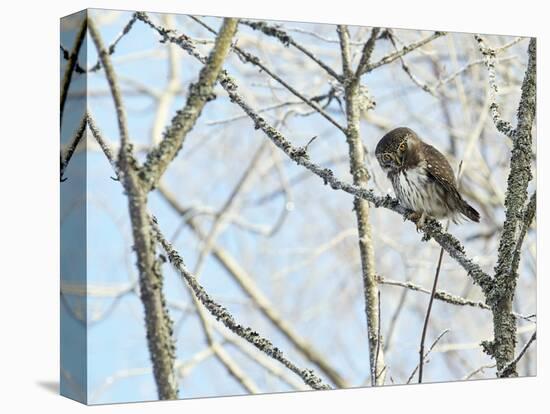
(417,218)
(414,216)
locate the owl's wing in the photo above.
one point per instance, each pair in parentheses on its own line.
(440,170)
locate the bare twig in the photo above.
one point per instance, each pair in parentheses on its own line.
(278,33)
(445,296)
(427,317)
(110,49)
(422,85)
(402,52)
(102,143)
(477,371)
(465,68)
(66,155)
(512,365)
(427,353)
(367,52)
(71,64)
(250,58)
(376,372)
(489,57)
(173,85)
(528,217)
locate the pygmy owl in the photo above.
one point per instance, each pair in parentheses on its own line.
(422,178)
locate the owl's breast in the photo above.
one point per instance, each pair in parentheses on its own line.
(409,185)
(418,192)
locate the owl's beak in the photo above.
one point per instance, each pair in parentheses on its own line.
(397,159)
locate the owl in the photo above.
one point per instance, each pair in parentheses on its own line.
(422,178)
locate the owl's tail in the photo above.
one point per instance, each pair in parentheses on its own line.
(470,212)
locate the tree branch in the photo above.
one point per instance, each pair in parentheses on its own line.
(427,318)
(256,61)
(444,296)
(427,353)
(402,52)
(200,93)
(265,306)
(489,56)
(110,49)
(66,155)
(367,52)
(512,365)
(71,64)
(360,206)
(157,320)
(500,298)
(286,39)
(223,315)
(216,310)
(528,217)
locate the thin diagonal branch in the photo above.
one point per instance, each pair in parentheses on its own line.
(250,58)
(424,86)
(173,85)
(402,52)
(489,56)
(223,356)
(427,354)
(223,315)
(427,317)
(71,64)
(367,52)
(265,306)
(262,360)
(200,93)
(278,33)
(157,320)
(111,49)
(115,92)
(528,217)
(512,364)
(102,143)
(220,219)
(445,296)
(66,155)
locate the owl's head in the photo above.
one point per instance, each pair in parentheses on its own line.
(394,148)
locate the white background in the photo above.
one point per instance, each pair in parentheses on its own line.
(29,249)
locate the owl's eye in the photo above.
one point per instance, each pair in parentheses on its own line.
(403,146)
(386,157)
